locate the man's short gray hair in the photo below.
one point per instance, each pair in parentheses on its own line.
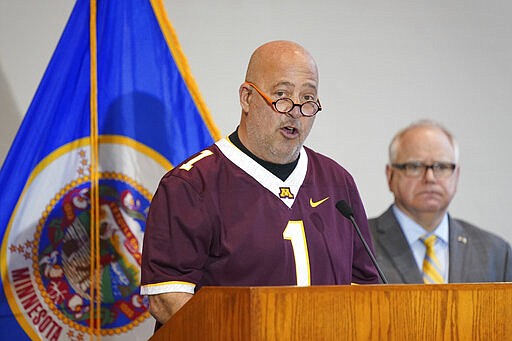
(393,146)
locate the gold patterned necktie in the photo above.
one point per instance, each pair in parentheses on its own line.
(431,265)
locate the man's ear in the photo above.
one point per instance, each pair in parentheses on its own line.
(389,175)
(244,93)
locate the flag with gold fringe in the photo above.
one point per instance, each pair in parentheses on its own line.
(117,107)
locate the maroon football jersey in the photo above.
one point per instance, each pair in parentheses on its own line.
(222,219)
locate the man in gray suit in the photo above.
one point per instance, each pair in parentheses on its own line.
(422,173)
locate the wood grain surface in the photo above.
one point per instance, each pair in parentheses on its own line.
(371,312)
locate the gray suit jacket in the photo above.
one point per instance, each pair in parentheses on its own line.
(474,254)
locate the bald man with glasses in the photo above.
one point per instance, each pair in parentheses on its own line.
(416,240)
(257,208)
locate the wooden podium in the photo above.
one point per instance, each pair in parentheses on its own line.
(357,312)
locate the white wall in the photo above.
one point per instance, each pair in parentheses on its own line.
(382,65)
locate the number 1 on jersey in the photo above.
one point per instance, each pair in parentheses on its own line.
(188,166)
(294,232)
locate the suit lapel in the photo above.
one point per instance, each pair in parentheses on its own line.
(457,252)
(396,246)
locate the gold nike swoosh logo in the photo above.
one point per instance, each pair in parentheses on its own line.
(316,203)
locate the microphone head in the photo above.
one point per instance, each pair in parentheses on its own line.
(344,209)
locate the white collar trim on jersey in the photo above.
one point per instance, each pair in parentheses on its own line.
(263,176)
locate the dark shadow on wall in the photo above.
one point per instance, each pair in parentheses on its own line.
(10,117)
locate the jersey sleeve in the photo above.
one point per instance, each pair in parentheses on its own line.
(177,238)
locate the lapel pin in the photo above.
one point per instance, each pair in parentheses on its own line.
(462,239)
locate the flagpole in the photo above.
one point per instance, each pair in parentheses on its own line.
(95,289)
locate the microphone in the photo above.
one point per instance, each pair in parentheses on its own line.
(347,212)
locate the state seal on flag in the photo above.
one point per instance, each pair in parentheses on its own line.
(48,246)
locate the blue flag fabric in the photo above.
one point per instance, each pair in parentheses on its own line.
(149,117)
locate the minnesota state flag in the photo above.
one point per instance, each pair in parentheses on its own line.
(116,108)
